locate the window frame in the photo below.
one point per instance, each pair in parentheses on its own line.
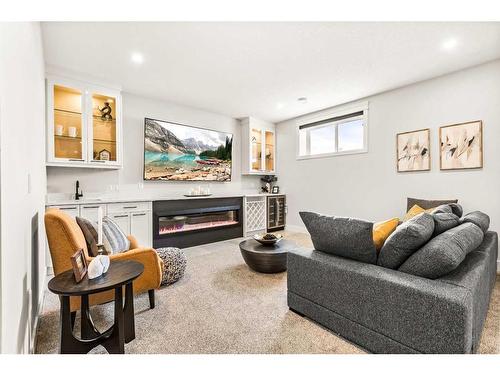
(329,115)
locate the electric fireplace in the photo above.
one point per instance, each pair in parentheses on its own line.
(191,222)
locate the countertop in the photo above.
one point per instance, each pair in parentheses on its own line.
(63,199)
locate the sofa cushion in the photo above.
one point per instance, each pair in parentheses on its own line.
(405,240)
(426,203)
(479,218)
(382,230)
(342,236)
(444,221)
(445,252)
(453,208)
(90,233)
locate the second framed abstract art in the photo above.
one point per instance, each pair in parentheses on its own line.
(413,151)
(461,146)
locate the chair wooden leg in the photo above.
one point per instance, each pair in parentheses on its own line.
(151,293)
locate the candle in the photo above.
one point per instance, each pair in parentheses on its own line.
(99,226)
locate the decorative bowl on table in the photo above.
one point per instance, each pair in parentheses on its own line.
(268,238)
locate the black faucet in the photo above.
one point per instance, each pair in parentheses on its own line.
(77,191)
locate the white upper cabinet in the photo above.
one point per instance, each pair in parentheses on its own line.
(84,125)
(258,147)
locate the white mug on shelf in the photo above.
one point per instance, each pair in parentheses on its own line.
(59,129)
(72,131)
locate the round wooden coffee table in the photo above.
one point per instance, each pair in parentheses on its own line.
(120,273)
(266,259)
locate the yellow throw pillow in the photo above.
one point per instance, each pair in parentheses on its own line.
(382,230)
(415,210)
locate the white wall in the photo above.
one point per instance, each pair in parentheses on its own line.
(135,109)
(367,185)
(22,157)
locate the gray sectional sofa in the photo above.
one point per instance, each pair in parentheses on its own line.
(388,311)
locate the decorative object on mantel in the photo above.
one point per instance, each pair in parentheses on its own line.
(98,266)
(413,151)
(276,189)
(461,145)
(104,155)
(268,179)
(199,191)
(106,112)
(79,264)
(268,238)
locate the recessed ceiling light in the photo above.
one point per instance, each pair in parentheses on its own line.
(280,105)
(302,100)
(449,44)
(137,58)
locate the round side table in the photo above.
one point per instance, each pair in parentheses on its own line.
(120,273)
(266,259)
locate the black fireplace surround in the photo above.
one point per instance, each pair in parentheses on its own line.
(196,221)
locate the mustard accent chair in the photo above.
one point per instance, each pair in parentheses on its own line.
(65,238)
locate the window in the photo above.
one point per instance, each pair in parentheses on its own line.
(341,133)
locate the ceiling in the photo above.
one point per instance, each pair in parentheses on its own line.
(261,69)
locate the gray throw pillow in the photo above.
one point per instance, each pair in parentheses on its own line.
(426,203)
(342,236)
(115,241)
(90,233)
(479,218)
(444,221)
(445,252)
(453,208)
(405,240)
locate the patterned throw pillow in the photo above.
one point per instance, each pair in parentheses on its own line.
(115,241)
(90,233)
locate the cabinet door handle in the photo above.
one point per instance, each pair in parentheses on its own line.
(129,207)
(68,208)
(76,160)
(98,161)
(138,214)
(117,216)
(90,206)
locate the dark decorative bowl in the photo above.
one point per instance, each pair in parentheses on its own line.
(268,242)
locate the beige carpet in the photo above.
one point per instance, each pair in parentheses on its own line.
(220,306)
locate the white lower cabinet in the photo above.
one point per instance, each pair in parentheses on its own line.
(90,211)
(140,227)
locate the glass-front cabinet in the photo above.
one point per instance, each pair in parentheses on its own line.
(259,147)
(83,125)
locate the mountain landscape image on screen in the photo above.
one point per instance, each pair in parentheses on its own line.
(177,152)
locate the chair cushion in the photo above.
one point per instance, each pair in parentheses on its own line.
(382,230)
(445,252)
(115,241)
(426,203)
(405,240)
(90,233)
(342,236)
(479,218)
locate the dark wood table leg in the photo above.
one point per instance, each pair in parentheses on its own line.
(128,311)
(116,342)
(66,328)
(87,329)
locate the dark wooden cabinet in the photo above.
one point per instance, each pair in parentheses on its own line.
(276,215)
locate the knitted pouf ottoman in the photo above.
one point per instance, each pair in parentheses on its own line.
(174,264)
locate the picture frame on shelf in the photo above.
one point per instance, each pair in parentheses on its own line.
(461,146)
(104,155)
(79,264)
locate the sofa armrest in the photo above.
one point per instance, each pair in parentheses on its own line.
(426,315)
(151,277)
(133,242)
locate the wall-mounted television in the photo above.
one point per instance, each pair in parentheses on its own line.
(176,152)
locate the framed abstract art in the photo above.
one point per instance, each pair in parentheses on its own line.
(461,146)
(413,151)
